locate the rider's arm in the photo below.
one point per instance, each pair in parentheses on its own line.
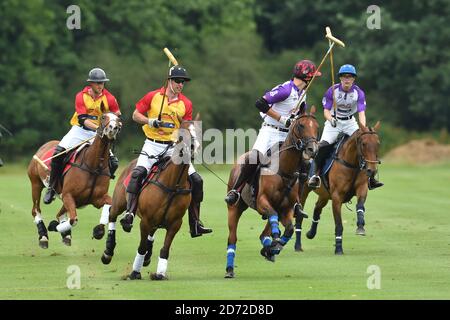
(139,117)
(273,114)
(327,114)
(362,118)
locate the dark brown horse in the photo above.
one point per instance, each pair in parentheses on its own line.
(162,203)
(86,182)
(278,189)
(357,160)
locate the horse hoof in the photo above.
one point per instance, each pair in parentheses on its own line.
(298,248)
(98,232)
(360,231)
(146,262)
(67,240)
(229,275)
(134,276)
(310,235)
(265,252)
(52,225)
(106,259)
(338,252)
(158,276)
(43,242)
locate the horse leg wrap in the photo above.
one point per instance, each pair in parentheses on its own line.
(162,266)
(266,241)
(231,252)
(104,218)
(42,230)
(64,227)
(138,262)
(273,220)
(110,243)
(360,210)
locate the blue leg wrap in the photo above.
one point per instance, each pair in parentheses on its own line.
(273,220)
(230,255)
(266,241)
(284,240)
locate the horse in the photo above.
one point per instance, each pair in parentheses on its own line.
(162,203)
(277,195)
(356,161)
(86,180)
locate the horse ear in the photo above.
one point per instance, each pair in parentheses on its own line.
(102,107)
(197,117)
(302,108)
(313,109)
(377,125)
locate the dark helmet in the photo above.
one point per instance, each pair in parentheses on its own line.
(305,70)
(347,69)
(178,72)
(97,75)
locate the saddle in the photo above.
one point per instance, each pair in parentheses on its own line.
(157,168)
(68,159)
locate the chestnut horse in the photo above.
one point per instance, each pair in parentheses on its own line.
(277,197)
(356,161)
(162,203)
(86,182)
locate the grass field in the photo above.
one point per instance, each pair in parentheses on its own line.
(408,238)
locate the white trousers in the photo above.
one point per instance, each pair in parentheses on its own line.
(267,137)
(152,148)
(75,136)
(330,134)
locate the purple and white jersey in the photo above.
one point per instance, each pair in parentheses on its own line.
(283,99)
(347,103)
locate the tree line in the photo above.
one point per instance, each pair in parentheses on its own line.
(234,50)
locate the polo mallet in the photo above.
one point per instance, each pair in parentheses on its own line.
(173,61)
(42,162)
(332,41)
(328,34)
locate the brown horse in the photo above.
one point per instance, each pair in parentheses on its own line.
(162,203)
(356,161)
(278,189)
(86,182)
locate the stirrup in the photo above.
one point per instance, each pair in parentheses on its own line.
(232,197)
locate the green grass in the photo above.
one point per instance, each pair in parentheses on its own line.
(408,237)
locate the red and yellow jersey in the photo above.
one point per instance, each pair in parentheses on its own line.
(86,104)
(173,112)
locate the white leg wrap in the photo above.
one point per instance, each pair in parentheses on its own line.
(150,238)
(138,262)
(162,266)
(63,227)
(37,218)
(104,218)
(111,226)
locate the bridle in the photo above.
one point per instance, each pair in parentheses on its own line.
(361,159)
(299,143)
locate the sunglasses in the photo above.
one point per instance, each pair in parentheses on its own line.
(179,80)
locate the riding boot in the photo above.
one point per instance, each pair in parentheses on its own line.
(315,181)
(137,176)
(247,170)
(55,173)
(113,164)
(374,183)
(196,226)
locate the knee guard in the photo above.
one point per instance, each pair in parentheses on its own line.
(138,174)
(197,187)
